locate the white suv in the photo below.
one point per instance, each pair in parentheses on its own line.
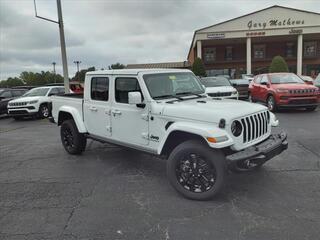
(219,87)
(34,103)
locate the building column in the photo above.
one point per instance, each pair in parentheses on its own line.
(299,54)
(199,49)
(248,55)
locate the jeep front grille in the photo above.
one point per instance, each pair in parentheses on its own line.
(220,94)
(18,104)
(255,126)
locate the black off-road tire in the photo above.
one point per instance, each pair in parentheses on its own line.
(72,141)
(214,158)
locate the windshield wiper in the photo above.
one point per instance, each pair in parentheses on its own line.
(168,96)
(191,93)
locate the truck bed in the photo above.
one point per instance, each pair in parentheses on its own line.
(69,100)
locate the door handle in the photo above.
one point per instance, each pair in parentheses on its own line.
(94,109)
(116,112)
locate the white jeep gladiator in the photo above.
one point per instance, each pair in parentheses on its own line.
(167,113)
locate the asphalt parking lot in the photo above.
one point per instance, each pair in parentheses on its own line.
(114,193)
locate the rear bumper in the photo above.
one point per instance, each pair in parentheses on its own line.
(262,152)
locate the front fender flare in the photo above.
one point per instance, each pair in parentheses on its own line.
(202,130)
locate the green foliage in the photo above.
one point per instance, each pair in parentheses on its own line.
(80,76)
(278,64)
(11,82)
(198,68)
(116,66)
(32,79)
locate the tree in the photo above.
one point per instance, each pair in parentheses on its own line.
(278,64)
(198,68)
(116,66)
(80,76)
(11,82)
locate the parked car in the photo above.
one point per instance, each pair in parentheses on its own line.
(7,94)
(147,110)
(307,79)
(283,90)
(35,102)
(242,86)
(219,87)
(248,77)
(224,76)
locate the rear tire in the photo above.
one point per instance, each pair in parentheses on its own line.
(72,141)
(271,104)
(311,109)
(196,171)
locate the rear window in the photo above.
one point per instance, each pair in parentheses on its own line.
(100,88)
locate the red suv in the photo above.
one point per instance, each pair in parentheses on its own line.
(283,90)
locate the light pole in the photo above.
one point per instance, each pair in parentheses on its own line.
(77,63)
(54,67)
(62,42)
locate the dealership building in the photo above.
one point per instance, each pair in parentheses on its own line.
(248,43)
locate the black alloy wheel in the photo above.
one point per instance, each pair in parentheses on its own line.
(195,174)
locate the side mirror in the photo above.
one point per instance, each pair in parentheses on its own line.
(264,83)
(134,98)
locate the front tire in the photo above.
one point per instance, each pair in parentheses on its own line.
(196,171)
(72,141)
(43,111)
(271,104)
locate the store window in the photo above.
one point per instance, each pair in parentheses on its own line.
(259,51)
(229,53)
(310,49)
(209,54)
(290,50)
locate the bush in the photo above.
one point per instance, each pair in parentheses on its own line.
(198,68)
(278,64)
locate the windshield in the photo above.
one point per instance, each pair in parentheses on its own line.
(317,81)
(36,92)
(166,85)
(215,82)
(285,78)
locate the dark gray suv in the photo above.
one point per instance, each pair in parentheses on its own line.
(7,94)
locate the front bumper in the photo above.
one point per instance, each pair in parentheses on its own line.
(262,152)
(25,111)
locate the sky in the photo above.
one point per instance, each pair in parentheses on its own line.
(101,32)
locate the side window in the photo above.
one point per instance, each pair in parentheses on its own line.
(258,79)
(16,93)
(123,86)
(61,91)
(6,94)
(54,91)
(100,88)
(264,79)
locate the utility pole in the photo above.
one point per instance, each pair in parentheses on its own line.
(77,63)
(62,42)
(54,67)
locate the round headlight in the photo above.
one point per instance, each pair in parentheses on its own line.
(236,128)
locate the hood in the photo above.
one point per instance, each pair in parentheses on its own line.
(210,110)
(25,99)
(292,86)
(220,89)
